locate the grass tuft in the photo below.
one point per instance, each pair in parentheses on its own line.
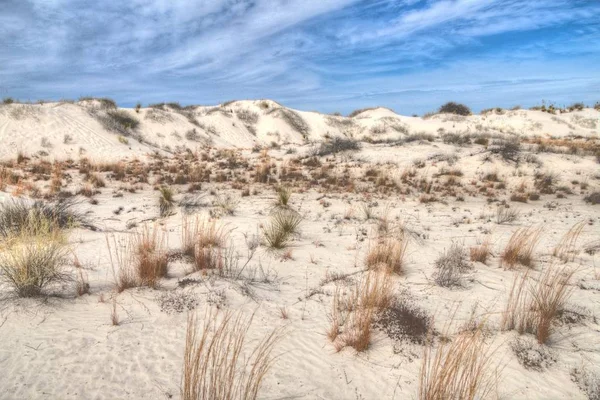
(520,247)
(283,225)
(218,363)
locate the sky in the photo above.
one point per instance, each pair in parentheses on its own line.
(322,55)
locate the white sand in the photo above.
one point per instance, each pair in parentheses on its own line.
(66,347)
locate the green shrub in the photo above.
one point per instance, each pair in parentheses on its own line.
(454,108)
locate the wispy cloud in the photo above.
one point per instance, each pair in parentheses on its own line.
(326,54)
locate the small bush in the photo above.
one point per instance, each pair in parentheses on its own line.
(451,265)
(295,120)
(17,215)
(456,139)
(576,107)
(118,121)
(405,321)
(248,116)
(505,215)
(454,108)
(509,150)
(592,198)
(192,135)
(8,100)
(336,145)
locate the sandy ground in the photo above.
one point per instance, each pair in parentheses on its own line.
(65,346)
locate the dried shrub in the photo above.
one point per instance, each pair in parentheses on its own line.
(506,215)
(451,265)
(532,355)
(247,116)
(17,215)
(592,198)
(508,149)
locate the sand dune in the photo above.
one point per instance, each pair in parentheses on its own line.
(426,193)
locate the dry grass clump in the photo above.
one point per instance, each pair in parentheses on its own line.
(150,257)
(481,252)
(203,240)
(202,233)
(565,249)
(533,305)
(218,362)
(451,265)
(279,230)
(388,253)
(140,260)
(34,257)
(460,368)
(520,247)
(354,310)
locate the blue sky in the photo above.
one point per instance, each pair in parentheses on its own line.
(324,55)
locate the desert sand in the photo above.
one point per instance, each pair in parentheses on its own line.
(429,186)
